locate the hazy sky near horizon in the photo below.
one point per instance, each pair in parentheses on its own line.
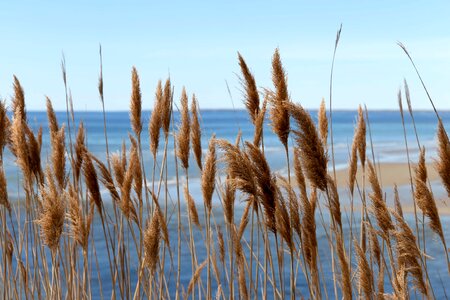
(196,42)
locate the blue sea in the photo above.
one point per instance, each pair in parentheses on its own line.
(385,135)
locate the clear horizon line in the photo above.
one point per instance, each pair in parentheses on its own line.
(243,109)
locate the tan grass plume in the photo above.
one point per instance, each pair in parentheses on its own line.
(107,180)
(443,164)
(361,136)
(19,145)
(279,114)
(364,272)
(155,123)
(251,94)
(259,124)
(239,168)
(228,198)
(18,102)
(184,132)
(358,137)
(152,239)
(379,208)
(51,219)
(323,123)
(90,178)
(192,209)
(135,103)
(294,208)
(424,198)
(283,221)
(166,107)
(126,203)
(345,269)
(79,224)
(334,202)
(196,132)
(409,256)
(209,174)
(221,245)
(267,191)
(119,172)
(79,151)
(398,205)
(4,189)
(196,277)
(4,128)
(135,163)
(312,153)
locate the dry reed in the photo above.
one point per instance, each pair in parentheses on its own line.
(209,174)
(364,272)
(126,203)
(3,189)
(312,153)
(251,94)
(79,225)
(167,106)
(335,205)
(51,219)
(192,209)
(259,121)
(267,191)
(345,270)
(107,180)
(79,151)
(398,206)
(409,254)
(184,131)
(58,215)
(424,198)
(92,183)
(443,164)
(135,103)
(152,237)
(361,137)
(279,114)
(196,133)
(379,208)
(196,277)
(323,123)
(155,123)
(5,124)
(18,103)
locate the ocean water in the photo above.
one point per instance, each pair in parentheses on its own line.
(386,137)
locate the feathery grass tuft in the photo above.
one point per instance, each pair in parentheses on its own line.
(251,94)
(196,133)
(312,153)
(279,114)
(135,103)
(184,132)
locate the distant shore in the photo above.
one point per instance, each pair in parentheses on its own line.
(390,174)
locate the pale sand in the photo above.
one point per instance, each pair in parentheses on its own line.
(388,173)
(397,173)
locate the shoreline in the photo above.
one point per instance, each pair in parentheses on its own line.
(390,174)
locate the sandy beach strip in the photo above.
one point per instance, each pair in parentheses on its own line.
(390,174)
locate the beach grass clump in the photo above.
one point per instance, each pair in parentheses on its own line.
(89,225)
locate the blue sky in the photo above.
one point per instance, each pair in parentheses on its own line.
(197,43)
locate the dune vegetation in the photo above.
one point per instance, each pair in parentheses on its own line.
(256,235)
